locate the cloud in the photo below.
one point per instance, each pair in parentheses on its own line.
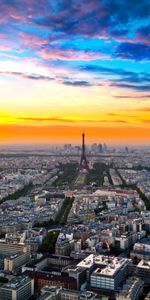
(140,88)
(93,17)
(120,78)
(65,120)
(72,34)
(131,97)
(121,116)
(136,78)
(131,51)
(143,34)
(106,70)
(53,119)
(5,48)
(32,41)
(81,83)
(56,53)
(26,75)
(64,20)
(115,121)
(123,79)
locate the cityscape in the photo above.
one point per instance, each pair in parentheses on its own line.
(75,150)
(75,222)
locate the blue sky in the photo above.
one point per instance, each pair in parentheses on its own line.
(58,56)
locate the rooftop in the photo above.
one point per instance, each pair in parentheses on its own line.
(109,265)
(144,264)
(16,282)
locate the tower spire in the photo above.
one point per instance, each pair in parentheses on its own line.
(83,143)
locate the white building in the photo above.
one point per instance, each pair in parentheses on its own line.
(105,272)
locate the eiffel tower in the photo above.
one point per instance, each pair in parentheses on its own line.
(83,166)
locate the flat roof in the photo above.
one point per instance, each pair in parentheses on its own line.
(16,283)
(87,262)
(144,264)
(109,264)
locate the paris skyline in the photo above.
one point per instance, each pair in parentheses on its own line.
(68,67)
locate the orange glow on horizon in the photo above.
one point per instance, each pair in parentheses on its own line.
(64,134)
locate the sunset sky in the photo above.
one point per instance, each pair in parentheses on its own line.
(71,65)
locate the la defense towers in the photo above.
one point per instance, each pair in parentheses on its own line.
(83,166)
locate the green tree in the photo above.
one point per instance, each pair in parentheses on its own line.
(3,280)
(48,244)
